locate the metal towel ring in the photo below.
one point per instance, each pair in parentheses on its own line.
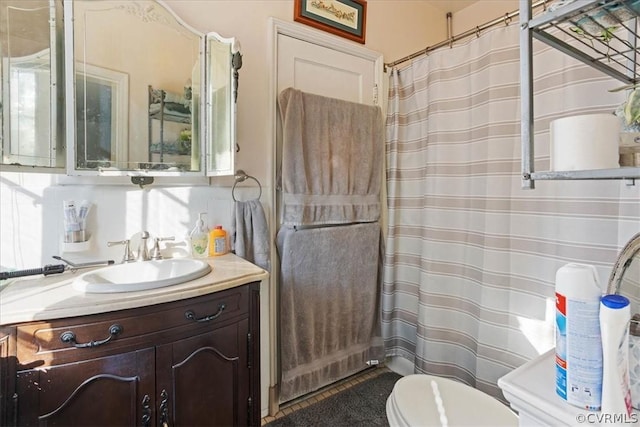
(241,176)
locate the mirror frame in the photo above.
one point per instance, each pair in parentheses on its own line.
(204,126)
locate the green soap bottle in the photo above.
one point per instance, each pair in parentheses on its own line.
(199,238)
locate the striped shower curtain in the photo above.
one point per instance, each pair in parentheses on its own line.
(470,256)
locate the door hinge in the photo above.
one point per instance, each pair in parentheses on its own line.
(375,94)
(249,410)
(249,351)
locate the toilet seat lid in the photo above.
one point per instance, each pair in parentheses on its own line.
(419,400)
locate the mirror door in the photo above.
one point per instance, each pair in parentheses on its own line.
(223,62)
(134,91)
(31,108)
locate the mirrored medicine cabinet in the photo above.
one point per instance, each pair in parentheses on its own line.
(115,88)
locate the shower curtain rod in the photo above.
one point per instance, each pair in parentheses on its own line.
(506,19)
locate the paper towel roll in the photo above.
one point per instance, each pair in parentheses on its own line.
(585,142)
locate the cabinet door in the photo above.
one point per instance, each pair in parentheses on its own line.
(7,366)
(205,378)
(97,392)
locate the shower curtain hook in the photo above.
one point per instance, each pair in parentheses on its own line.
(477,31)
(507,19)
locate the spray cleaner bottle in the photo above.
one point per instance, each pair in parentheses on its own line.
(578,344)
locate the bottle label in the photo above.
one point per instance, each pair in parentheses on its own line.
(561,346)
(199,246)
(219,245)
(578,352)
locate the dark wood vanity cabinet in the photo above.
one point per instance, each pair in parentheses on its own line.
(192,362)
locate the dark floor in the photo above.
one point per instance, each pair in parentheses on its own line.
(325,392)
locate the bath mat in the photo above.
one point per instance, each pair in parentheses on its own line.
(360,405)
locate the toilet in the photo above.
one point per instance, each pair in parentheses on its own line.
(425,400)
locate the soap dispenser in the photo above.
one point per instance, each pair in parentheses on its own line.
(199,238)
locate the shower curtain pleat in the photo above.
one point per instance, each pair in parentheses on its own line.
(468,282)
(329,242)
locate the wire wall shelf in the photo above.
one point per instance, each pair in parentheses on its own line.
(601,34)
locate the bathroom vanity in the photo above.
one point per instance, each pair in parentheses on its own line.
(185,354)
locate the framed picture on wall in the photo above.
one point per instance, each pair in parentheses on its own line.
(345,18)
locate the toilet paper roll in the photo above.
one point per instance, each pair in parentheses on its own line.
(585,142)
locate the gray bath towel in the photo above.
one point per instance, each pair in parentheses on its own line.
(329,290)
(331,159)
(250,233)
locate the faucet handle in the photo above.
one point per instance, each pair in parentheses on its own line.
(128,255)
(155,251)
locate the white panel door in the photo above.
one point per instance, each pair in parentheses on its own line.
(312,62)
(319,63)
(325,71)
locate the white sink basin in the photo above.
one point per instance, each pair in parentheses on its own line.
(139,276)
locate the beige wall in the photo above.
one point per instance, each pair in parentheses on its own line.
(481,12)
(395,28)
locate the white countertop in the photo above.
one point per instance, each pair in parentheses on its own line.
(53,297)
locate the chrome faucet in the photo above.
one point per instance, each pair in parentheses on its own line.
(143,253)
(129,256)
(625,258)
(143,250)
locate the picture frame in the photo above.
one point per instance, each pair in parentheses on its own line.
(345,18)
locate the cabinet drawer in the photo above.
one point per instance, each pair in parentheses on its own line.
(71,339)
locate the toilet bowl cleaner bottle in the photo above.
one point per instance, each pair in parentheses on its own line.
(615,314)
(578,344)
